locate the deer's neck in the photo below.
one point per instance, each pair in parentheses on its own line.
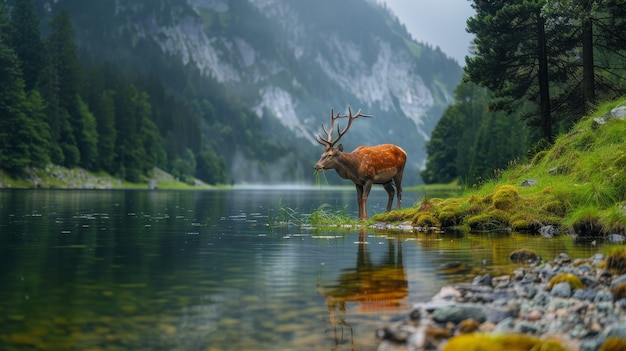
(348,166)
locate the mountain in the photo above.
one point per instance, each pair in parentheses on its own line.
(287,61)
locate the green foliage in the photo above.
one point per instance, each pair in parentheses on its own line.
(469,141)
(88,137)
(185,168)
(26,41)
(524,56)
(23,134)
(579,187)
(94,116)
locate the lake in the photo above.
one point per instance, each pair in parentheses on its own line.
(234,269)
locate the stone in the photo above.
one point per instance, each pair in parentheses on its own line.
(619,112)
(562,289)
(616,331)
(585,294)
(615,239)
(529,182)
(524,256)
(618,281)
(447,293)
(483,280)
(603,296)
(548,231)
(501,281)
(457,313)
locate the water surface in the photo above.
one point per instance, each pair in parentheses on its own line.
(212,270)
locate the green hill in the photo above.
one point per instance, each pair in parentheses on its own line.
(578,186)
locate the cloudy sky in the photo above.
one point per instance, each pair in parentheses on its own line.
(437,22)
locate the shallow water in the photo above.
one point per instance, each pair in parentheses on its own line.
(215,270)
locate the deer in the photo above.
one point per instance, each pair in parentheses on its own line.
(365,165)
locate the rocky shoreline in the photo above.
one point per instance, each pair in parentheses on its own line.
(561,304)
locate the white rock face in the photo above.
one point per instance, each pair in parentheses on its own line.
(380,76)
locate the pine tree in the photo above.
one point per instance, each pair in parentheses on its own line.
(105,124)
(595,67)
(62,80)
(23,131)
(88,137)
(26,41)
(513,49)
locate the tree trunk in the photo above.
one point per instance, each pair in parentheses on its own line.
(544,86)
(589,87)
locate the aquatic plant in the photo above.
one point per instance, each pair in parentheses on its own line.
(285,216)
(319,174)
(327,214)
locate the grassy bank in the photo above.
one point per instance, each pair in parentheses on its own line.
(57,177)
(577,186)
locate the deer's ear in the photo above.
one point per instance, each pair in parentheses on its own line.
(340,147)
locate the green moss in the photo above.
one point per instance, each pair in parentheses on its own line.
(450,213)
(426,220)
(613,344)
(522,225)
(505,197)
(555,207)
(492,220)
(571,279)
(509,342)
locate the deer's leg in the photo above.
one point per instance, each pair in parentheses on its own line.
(359,199)
(390,191)
(398,181)
(366,191)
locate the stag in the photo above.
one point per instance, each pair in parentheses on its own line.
(366,165)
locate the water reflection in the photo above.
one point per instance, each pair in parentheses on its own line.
(370,285)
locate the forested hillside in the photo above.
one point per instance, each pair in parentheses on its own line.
(538,67)
(96,115)
(221,91)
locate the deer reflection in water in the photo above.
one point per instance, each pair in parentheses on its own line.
(372,286)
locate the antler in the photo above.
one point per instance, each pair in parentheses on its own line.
(329,142)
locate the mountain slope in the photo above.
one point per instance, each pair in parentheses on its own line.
(289,61)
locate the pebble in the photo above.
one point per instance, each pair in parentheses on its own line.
(581,319)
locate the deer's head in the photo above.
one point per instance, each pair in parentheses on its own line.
(331,154)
